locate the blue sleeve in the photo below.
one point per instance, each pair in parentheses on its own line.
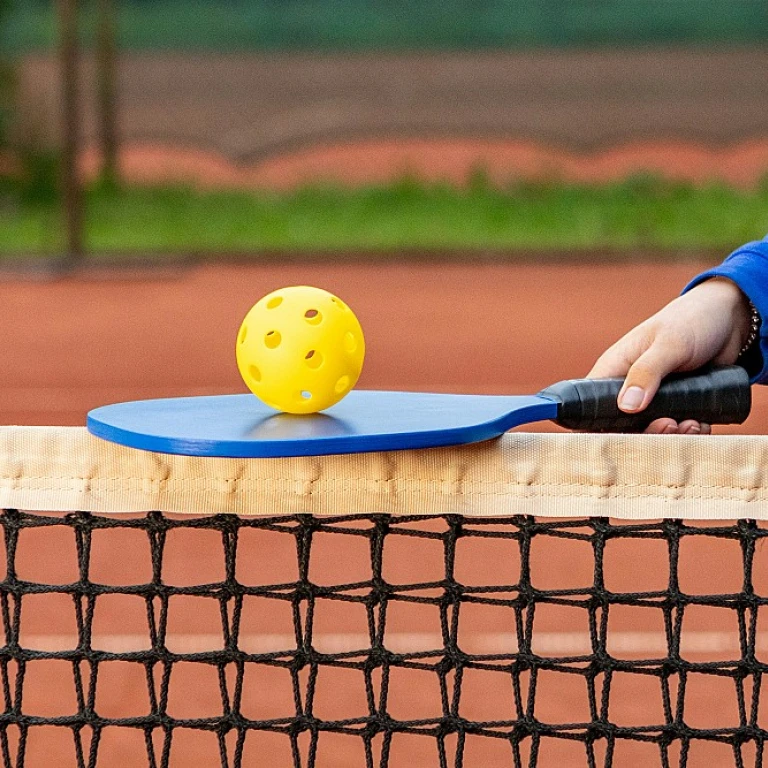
(748,268)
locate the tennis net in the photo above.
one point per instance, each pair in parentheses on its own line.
(541,600)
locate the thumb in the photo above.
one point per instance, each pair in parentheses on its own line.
(644,377)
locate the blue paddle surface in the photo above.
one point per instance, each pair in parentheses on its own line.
(241,426)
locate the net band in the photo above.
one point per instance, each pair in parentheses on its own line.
(547,475)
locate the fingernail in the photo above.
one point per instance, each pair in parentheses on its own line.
(632,399)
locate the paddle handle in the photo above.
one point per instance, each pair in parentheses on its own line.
(718,395)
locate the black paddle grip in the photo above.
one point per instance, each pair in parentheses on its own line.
(717,395)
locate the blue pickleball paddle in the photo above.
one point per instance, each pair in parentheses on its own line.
(240,426)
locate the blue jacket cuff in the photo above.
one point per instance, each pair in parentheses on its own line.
(748,268)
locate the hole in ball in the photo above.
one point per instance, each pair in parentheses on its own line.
(350,342)
(342,385)
(274,302)
(272,340)
(313,317)
(338,302)
(305,395)
(243,334)
(313,358)
(254,373)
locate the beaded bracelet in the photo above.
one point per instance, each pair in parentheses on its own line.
(754,329)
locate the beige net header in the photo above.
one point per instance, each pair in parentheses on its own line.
(555,475)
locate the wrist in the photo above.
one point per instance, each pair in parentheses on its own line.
(745,317)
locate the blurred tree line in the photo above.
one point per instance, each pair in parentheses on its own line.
(5,80)
(47,176)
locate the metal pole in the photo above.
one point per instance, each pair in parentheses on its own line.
(106,57)
(72,202)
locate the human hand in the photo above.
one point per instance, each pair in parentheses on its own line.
(708,324)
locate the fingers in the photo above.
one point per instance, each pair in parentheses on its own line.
(644,376)
(671,427)
(662,427)
(614,363)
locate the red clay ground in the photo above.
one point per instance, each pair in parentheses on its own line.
(499,328)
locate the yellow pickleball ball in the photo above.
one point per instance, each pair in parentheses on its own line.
(300,349)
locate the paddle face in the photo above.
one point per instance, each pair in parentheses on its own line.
(240,426)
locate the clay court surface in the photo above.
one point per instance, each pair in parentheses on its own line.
(87,340)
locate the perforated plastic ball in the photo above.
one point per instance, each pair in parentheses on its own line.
(300,349)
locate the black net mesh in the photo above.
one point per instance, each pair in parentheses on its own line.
(380,641)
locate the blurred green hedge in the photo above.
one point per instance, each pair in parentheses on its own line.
(228,25)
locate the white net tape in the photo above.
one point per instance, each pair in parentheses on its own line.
(558,475)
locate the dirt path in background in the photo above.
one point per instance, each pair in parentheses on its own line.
(353,163)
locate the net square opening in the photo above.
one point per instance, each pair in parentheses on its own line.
(339,560)
(48,622)
(194,691)
(122,690)
(761,633)
(414,749)
(561,563)
(49,745)
(759,696)
(487,751)
(709,565)
(560,630)
(493,562)
(635,700)
(266,557)
(627,751)
(194,624)
(259,743)
(413,694)
(561,697)
(486,628)
(47,555)
(192,557)
(120,557)
(411,559)
(710,753)
(411,627)
(121,624)
(340,694)
(268,693)
(338,750)
(339,626)
(632,565)
(760,567)
(710,634)
(115,743)
(564,751)
(193,747)
(433,524)
(636,632)
(50,689)
(487,696)
(266,625)
(701,691)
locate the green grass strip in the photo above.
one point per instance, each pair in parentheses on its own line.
(642,212)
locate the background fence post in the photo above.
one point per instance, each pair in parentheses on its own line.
(106,73)
(72,202)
